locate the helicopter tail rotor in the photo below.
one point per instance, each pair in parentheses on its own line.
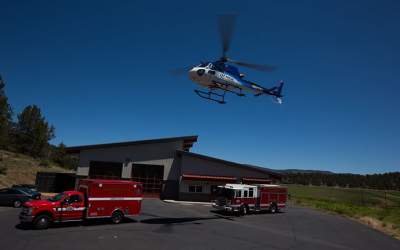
(277,95)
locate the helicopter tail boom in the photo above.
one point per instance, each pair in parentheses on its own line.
(278,92)
(272,91)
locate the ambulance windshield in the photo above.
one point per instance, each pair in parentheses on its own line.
(57,197)
(226,192)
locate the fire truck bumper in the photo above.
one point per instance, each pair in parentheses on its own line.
(225,208)
(25,218)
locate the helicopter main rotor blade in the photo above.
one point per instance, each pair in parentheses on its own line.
(180,71)
(226,23)
(266,68)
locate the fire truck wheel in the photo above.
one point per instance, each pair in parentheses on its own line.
(243,210)
(117,217)
(272,209)
(41,222)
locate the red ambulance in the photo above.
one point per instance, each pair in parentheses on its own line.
(94,199)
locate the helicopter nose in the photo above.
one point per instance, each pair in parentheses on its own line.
(192,74)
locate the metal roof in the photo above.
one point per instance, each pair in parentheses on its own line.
(188,142)
(245,166)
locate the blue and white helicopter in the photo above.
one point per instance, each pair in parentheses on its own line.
(220,76)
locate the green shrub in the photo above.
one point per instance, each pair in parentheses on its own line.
(3,170)
(45,163)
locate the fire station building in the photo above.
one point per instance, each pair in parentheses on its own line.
(165,167)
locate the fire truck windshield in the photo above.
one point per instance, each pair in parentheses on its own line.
(57,197)
(226,192)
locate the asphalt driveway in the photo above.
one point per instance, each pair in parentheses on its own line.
(176,226)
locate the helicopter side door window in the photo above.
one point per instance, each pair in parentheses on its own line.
(213,67)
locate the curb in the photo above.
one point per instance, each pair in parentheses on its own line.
(188,202)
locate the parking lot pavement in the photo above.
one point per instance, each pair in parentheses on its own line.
(179,226)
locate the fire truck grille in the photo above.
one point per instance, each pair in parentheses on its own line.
(24,210)
(222,201)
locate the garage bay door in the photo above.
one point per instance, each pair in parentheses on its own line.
(152,178)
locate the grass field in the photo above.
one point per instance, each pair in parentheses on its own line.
(378,209)
(347,195)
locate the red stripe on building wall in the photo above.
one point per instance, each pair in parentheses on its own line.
(208,178)
(260,181)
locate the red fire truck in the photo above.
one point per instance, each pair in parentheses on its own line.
(94,199)
(245,198)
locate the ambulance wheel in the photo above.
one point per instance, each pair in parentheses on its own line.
(117,217)
(272,209)
(243,210)
(41,222)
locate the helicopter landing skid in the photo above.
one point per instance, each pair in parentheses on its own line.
(209,96)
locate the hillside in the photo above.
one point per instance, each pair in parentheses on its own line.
(22,169)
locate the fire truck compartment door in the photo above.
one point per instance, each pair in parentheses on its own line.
(282,198)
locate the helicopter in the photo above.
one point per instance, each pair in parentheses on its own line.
(221,76)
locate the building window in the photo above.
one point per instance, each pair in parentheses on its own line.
(195,189)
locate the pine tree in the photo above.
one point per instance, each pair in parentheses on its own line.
(34,133)
(58,154)
(6,114)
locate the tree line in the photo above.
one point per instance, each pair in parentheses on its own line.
(31,134)
(386,181)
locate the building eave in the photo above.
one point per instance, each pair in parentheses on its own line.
(274,175)
(188,142)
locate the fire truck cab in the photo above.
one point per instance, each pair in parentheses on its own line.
(93,199)
(245,198)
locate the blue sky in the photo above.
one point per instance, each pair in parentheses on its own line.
(99,72)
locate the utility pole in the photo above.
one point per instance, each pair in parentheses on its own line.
(362,198)
(385,199)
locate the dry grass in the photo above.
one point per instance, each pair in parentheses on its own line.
(385,220)
(387,228)
(22,169)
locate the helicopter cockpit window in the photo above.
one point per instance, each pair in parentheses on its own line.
(203,65)
(213,66)
(221,68)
